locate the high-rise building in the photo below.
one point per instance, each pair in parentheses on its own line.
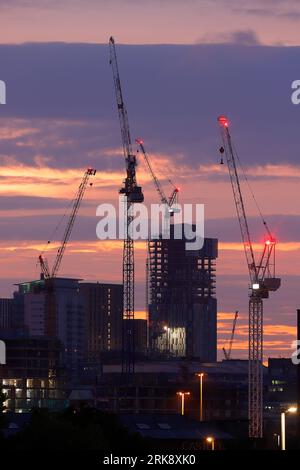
(182,307)
(6,314)
(140,336)
(54,308)
(32,375)
(103,306)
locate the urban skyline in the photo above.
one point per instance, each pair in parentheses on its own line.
(47,139)
(163,342)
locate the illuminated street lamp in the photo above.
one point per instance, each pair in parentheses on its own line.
(211,440)
(167,330)
(277,437)
(182,395)
(201,375)
(292,409)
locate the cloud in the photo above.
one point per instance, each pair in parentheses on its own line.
(62,95)
(61,117)
(276,9)
(242,38)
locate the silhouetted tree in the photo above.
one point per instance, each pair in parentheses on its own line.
(73,429)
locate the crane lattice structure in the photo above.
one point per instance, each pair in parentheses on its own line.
(170,202)
(132,194)
(227,352)
(50,275)
(68,230)
(262,282)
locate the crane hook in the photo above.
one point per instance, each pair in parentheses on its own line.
(221,150)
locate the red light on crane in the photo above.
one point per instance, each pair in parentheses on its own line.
(223,121)
(139,141)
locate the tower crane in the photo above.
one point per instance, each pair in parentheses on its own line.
(227,352)
(167,201)
(132,194)
(50,275)
(66,236)
(262,282)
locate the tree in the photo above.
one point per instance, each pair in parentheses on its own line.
(72,430)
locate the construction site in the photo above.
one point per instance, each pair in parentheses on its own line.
(72,341)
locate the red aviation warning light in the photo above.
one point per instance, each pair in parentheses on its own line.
(223,121)
(270,241)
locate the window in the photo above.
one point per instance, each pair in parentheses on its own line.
(142,426)
(164,425)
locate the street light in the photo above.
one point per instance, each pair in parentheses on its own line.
(201,375)
(277,437)
(166,330)
(211,440)
(182,395)
(292,409)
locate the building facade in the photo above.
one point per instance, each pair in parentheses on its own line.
(54,308)
(6,314)
(32,376)
(182,307)
(103,306)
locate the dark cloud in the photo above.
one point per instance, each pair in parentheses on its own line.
(173,95)
(8,203)
(39,227)
(286,228)
(246,37)
(279,309)
(272,9)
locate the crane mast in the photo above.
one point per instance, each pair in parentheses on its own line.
(262,281)
(132,194)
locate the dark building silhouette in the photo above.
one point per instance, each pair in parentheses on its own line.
(140,336)
(103,307)
(32,376)
(6,314)
(181,295)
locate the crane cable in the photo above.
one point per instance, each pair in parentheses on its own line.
(58,225)
(252,192)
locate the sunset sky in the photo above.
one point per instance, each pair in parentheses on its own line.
(182,64)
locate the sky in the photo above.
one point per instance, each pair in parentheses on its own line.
(181,65)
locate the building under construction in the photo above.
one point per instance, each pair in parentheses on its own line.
(182,307)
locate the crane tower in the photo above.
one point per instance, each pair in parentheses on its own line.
(132,194)
(262,282)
